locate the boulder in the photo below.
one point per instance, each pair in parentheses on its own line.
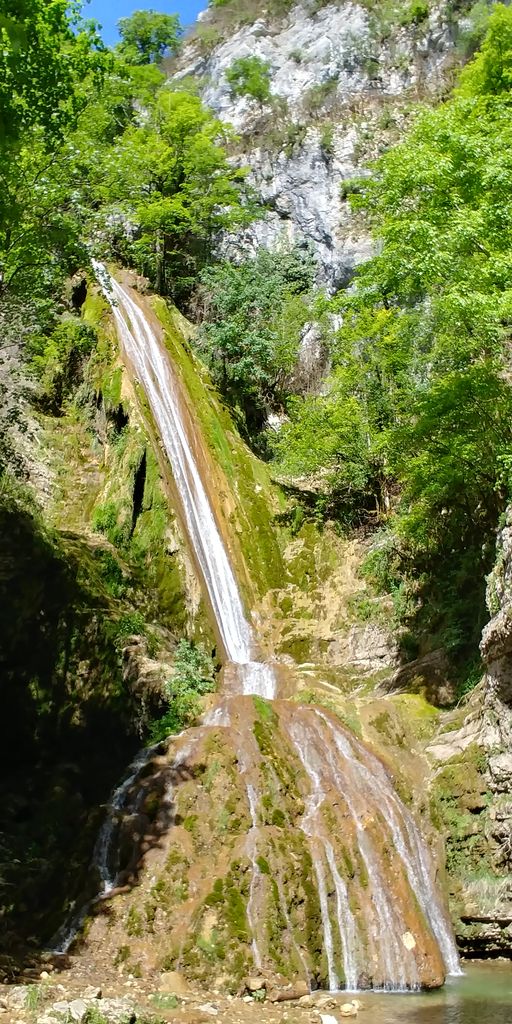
(255,984)
(14,997)
(428,675)
(173,981)
(349,1009)
(295,991)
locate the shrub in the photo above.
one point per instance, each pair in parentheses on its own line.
(193,678)
(250,76)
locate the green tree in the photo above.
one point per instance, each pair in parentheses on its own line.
(148,36)
(254,315)
(51,66)
(172,178)
(490,73)
(250,76)
(45,54)
(422,357)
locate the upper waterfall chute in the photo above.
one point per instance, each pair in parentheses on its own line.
(152,366)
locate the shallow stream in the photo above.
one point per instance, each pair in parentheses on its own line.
(483,995)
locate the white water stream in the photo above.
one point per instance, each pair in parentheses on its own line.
(252,850)
(333,761)
(154,370)
(105,850)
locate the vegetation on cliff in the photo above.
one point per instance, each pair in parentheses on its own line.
(416,418)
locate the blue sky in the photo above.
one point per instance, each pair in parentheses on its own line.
(107,12)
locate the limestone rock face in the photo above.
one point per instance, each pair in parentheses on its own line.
(472,786)
(338,76)
(496,648)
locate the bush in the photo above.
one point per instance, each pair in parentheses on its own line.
(255,312)
(193,677)
(57,360)
(250,76)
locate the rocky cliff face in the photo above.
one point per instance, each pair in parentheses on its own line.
(471,788)
(343,79)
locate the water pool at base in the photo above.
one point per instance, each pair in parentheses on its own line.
(483,995)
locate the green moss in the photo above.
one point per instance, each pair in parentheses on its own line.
(263,865)
(212,947)
(348,862)
(257,500)
(265,711)
(217,894)
(134,923)
(458,797)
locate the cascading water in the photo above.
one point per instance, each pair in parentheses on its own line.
(345,806)
(151,365)
(252,839)
(105,850)
(333,760)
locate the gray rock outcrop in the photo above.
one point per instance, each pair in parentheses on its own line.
(338,78)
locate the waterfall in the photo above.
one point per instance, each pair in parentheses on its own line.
(252,840)
(333,760)
(347,800)
(105,852)
(153,369)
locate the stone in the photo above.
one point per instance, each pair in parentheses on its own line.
(15,997)
(77,1010)
(295,991)
(210,1009)
(113,1011)
(349,1009)
(327,1018)
(91,992)
(323,1001)
(173,981)
(255,984)
(118,1011)
(409,941)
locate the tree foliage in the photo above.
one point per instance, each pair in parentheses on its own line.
(105,151)
(254,313)
(421,362)
(193,677)
(148,36)
(250,76)
(171,177)
(45,55)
